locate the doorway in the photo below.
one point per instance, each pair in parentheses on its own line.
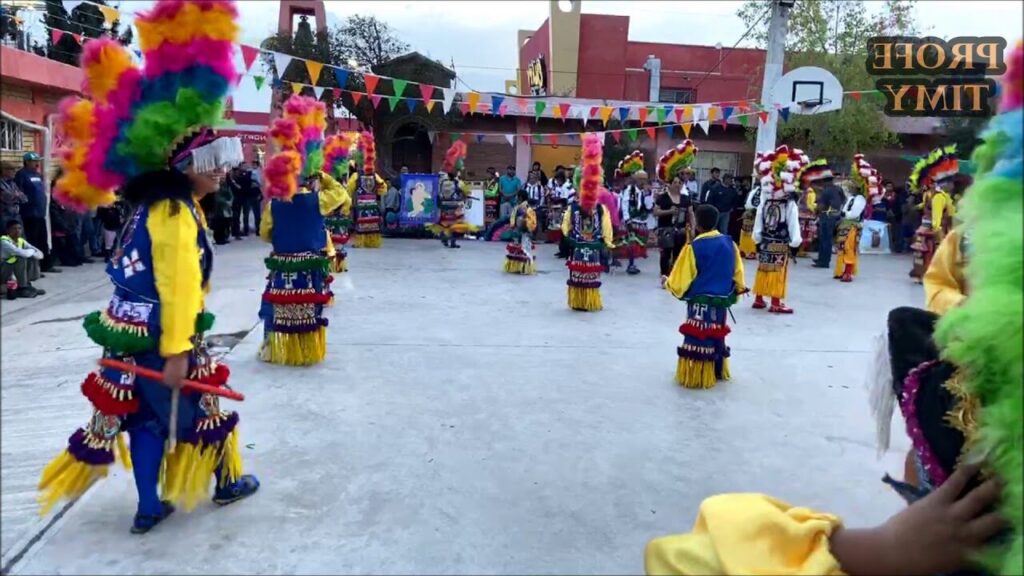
(411,147)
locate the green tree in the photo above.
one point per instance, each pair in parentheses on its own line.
(833,34)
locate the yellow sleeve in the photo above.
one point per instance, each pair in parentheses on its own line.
(329,248)
(943,288)
(464,186)
(531,219)
(738,275)
(607,232)
(812,200)
(512,218)
(332,195)
(748,534)
(938,208)
(266,222)
(353,183)
(683,272)
(179,279)
(567,222)
(382,186)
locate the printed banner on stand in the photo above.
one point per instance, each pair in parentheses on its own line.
(419,199)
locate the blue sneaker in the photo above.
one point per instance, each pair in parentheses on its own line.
(145,522)
(246,486)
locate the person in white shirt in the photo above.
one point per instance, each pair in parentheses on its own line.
(776,224)
(865,182)
(635,204)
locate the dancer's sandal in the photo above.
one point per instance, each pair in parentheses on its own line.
(244,487)
(145,522)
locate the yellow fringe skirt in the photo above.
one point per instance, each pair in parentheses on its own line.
(339,265)
(374,240)
(747,247)
(67,478)
(699,374)
(847,253)
(520,267)
(771,284)
(303,349)
(585,299)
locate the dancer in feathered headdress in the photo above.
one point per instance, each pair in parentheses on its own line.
(815,173)
(635,204)
(776,225)
(148,132)
(367,188)
(519,256)
(932,178)
(748,249)
(337,152)
(847,237)
(674,209)
(453,198)
(299,195)
(588,227)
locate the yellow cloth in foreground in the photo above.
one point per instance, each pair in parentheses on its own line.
(944,284)
(748,534)
(847,253)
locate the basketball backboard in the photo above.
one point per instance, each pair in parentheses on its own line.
(808,90)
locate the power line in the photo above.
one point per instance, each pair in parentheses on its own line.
(756,23)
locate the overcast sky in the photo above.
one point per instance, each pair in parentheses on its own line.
(479,37)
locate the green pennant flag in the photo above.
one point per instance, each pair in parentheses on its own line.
(743,119)
(538,108)
(661,114)
(632,133)
(456,136)
(398,85)
(392,102)
(258,80)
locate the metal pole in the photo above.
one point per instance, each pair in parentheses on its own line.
(772,73)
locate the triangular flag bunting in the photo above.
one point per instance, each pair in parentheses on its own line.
(553,139)
(432,135)
(56,35)
(410,103)
(784,113)
(426,92)
(479,138)
(726,112)
(686,129)
(456,136)
(371,82)
(643,115)
(763,116)
(496,104)
(398,85)
(593,111)
(662,113)
(336,93)
(474,99)
(705,126)
(573,136)
(855,96)
(623,114)
(556,112)
(464,108)
(77,37)
(526,138)
(606,113)
(671,129)
(650,132)
(688,113)
(318,91)
(296,88)
(356,97)
(375,98)
(538,108)
(110,14)
(712,113)
(510,138)
(521,104)
(449,98)
(564,108)
(430,105)
(633,135)
(678,111)
(502,110)
(281,62)
(744,119)
(341,76)
(258,80)
(617,134)
(249,54)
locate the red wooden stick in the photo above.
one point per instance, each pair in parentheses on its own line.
(188,385)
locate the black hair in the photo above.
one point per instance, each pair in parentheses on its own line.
(707,217)
(716,169)
(149,187)
(12,222)
(523,195)
(510,167)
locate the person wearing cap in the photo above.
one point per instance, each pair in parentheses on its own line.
(33,211)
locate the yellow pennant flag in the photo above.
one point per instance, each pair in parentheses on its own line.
(429,104)
(686,129)
(109,14)
(687,113)
(314,71)
(474,99)
(556,112)
(712,113)
(296,88)
(606,112)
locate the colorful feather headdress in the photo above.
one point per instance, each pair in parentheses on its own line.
(588,174)
(133,120)
(675,160)
(368,152)
(337,149)
(453,158)
(631,164)
(813,172)
(778,170)
(984,334)
(940,164)
(866,178)
(299,137)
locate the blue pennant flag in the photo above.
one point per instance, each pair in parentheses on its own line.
(573,137)
(784,113)
(410,104)
(726,112)
(278,84)
(479,138)
(342,76)
(623,113)
(670,129)
(496,104)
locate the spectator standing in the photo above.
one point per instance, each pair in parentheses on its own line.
(112,220)
(240,185)
(672,209)
(911,218)
(19,261)
(690,188)
(224,222)
(897,198)
(63,224)
(392,202)
(508,185)
(12,197)
(709,185)
(542,177)
(33,211)
(724,197)
(829,201)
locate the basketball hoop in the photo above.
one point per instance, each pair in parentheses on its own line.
(813,103)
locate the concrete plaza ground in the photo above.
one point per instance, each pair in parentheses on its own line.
(465,421)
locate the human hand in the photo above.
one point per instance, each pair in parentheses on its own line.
(176,370)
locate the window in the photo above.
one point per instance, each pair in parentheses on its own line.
(677,95)
(10,136)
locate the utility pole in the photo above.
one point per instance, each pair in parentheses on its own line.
(773,72)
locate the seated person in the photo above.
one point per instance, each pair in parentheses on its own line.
(20,262)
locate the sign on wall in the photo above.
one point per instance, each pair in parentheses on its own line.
(536,77)
(419,199)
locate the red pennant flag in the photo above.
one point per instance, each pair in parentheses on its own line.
(427,92)
(502,109)
(643,114)
(593,111)
(375,98)
(763,116)
(371,82)
(526,138)
(679,114)
(77,37)
(564,109)
(617,134)
(855,96)
(249,54)
(650,132)
(56,35)
(521,102)
(464,108)
(356,97)
(337,93)
(553,139)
